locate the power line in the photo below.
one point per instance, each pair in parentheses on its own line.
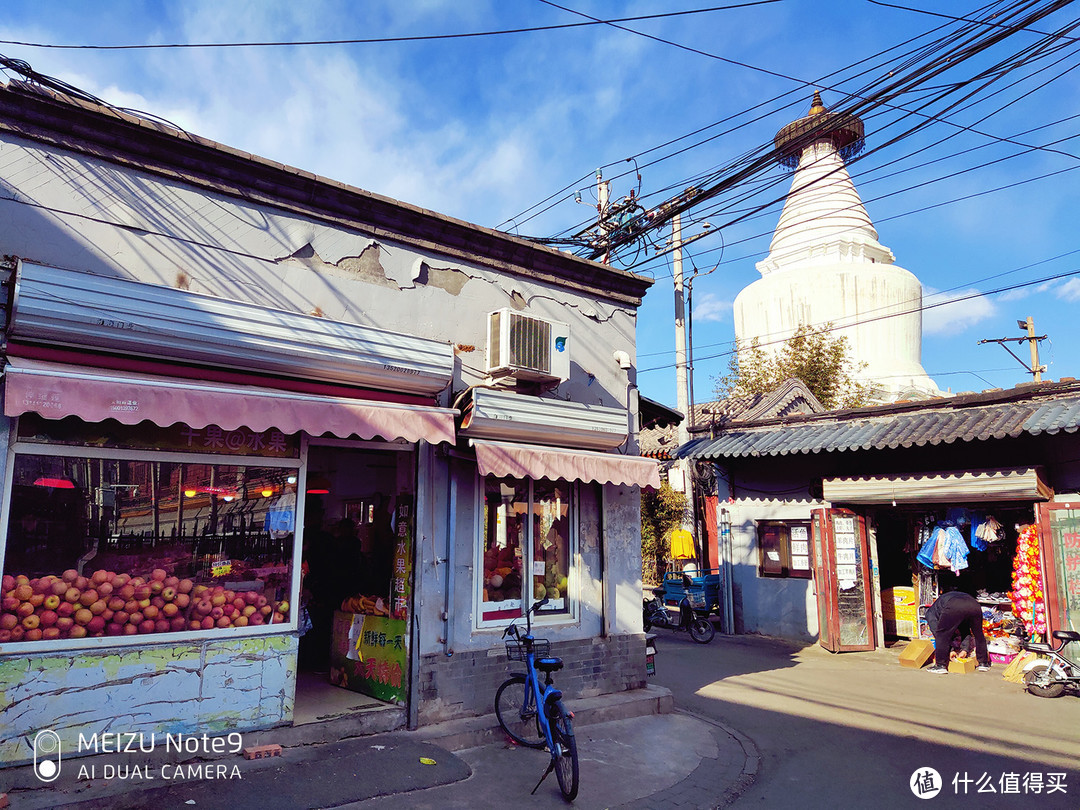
(951,17)
(818,83)
(382,40)
(760,210)
(938,293)
(862,321)
(944,60)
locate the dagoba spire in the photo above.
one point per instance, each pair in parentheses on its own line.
(825,264)
(823,215)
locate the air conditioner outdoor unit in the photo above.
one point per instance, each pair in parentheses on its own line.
(527,348)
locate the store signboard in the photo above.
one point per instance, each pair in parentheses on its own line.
(401,584)
(1065,527)
(846,556)
(178,437)
(369,655)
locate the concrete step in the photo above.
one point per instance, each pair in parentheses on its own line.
(470,732)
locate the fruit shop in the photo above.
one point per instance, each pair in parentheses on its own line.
(226,538)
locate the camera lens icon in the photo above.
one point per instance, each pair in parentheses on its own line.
(47,755)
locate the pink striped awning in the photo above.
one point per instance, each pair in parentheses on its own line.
(533,461)
(56,390)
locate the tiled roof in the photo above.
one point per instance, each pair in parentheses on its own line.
(792,396)
(1031,408)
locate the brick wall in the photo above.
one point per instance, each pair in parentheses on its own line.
(464,685)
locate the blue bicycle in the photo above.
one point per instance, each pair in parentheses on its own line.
(516,703)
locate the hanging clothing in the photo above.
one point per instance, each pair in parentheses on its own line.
(956,550)
(945,548)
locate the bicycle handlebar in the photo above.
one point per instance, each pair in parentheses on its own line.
(512,629)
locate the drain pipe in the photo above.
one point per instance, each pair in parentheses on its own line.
(725,546)
(448,560)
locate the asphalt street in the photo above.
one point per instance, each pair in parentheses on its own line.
(851,729)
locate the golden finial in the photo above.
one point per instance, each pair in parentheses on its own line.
(816,107)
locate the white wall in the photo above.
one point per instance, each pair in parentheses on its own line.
(771,606)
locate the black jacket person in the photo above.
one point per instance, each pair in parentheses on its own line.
(954,611)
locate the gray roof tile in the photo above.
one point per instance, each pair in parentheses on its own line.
(1048,408)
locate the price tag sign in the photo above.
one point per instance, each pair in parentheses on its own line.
(221,569)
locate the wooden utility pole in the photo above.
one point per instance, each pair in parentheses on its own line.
(1033,343)
(682,380)
(1032,339)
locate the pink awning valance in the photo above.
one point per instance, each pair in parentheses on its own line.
(56,390)
(532,461)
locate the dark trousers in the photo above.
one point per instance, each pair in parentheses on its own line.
(961,615)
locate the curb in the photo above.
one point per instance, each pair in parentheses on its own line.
(698,789)
(471,732)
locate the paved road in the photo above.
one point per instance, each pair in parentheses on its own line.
(850,730)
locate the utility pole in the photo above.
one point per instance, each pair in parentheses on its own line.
(1032,339)
(1033,344)
(603,195)
(682,384)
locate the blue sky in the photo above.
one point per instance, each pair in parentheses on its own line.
(485,128)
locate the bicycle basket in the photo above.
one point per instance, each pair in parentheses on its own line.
(515,650)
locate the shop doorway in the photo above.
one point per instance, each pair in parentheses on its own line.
(356,588)
(989,531)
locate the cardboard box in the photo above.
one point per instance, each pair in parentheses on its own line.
(917,653)
(898,604)
(962,666)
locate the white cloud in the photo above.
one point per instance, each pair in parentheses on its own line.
(1070,290)
(710,307)
(954,311)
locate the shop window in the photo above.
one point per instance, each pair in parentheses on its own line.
(109,543)
(784,548)
(526,547)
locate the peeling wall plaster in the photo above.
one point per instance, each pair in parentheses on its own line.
(208,687)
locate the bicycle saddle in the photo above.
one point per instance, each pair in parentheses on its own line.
(1067,635)
(549,664)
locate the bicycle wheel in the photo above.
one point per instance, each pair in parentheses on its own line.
(516,715)
(566,759)
(702,631)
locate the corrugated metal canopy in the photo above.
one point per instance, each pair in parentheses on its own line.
(83,310)
(508,416)
(1050,409)
(1017,484)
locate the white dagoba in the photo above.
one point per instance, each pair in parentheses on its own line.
(825,265)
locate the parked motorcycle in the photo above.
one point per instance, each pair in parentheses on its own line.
(655,614)
(1048,678)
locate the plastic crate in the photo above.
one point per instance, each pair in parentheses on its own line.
(515,650)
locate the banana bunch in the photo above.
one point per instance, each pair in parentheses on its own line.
(371,605)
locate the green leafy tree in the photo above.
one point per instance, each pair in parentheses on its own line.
(819,358)
(662,511)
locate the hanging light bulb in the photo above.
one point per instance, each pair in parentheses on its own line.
(318,485)
(267,492)
(190,493)
(55,483)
